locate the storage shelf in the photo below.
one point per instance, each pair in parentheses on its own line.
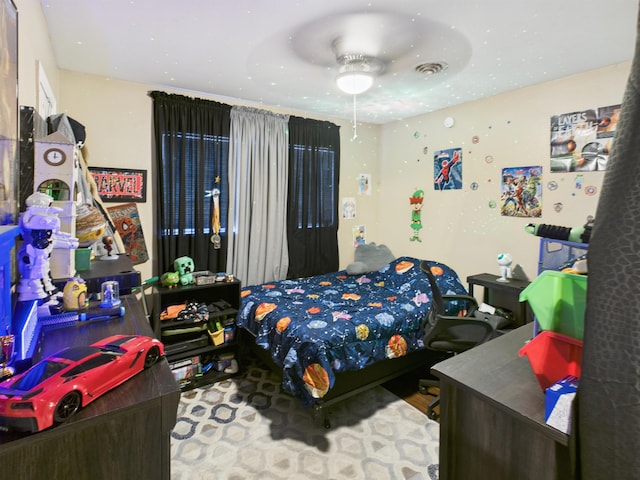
(167,324)
(174,357)
(164,297)
(204,380)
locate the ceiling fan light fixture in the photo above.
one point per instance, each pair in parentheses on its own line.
(357,71)
(354,83)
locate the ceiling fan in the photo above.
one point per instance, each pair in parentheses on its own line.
(392,51)
(360,48)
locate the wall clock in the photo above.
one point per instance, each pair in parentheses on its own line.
(55,156)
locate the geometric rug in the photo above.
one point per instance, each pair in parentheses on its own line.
(247,428)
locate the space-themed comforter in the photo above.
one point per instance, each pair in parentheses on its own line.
(318,326)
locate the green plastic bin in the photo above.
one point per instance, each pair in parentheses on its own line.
(558,301)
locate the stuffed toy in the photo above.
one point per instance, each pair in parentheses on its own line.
(370,257)
(185,268)
(170,279)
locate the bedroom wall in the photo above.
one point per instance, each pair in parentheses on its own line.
(459,226)
(117,116)
(118,119)
(33,47)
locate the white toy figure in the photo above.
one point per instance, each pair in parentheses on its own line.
(40,228)
(504,260)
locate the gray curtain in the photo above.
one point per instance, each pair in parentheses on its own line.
(258,171)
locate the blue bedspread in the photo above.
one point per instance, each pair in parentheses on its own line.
(314,327)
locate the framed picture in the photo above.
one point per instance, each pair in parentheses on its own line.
(8,112)
(120,185)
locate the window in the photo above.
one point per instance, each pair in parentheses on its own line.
(38,374)
(192,149)
(90,364)
(204,162)
(313,184)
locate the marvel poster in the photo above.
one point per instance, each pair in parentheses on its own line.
(521,192)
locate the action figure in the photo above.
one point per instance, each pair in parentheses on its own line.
(40,228)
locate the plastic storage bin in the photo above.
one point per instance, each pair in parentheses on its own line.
(558,301)
(553,356)
(559,254)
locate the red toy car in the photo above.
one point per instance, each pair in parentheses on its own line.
(57,387)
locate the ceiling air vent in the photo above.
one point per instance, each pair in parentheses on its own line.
(431,68)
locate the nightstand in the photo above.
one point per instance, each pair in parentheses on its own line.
(505,295)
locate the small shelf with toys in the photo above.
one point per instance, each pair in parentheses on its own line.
(196,323)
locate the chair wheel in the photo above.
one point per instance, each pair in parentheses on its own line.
(432,415)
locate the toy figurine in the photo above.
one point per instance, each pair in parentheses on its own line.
(75,294)
(110,294)
(40,228)
(107,241)
(185,268)
(170,279)
(504,260)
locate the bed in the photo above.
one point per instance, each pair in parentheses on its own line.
(334,335)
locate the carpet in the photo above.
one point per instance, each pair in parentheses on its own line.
(246,427)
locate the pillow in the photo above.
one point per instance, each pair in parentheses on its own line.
(369,258)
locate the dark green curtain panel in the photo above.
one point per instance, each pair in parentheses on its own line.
(314,179)
(609,390)
(191,148)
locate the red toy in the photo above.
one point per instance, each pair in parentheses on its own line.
(57,387)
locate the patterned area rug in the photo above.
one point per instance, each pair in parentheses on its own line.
(246,427)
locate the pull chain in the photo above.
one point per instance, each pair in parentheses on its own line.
(355,125)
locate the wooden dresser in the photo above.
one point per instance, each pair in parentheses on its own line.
(123,434)
(492,417)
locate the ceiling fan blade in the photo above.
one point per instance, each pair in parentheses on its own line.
(377,34)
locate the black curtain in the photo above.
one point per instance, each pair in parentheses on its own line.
(191,141)
(312,214)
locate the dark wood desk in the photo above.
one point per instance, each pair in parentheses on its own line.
(492,417)
(503,294)
(123,434)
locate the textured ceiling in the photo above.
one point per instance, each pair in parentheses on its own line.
(279,52)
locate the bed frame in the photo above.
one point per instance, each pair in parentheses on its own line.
(350,383)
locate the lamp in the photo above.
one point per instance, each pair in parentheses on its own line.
(354,83)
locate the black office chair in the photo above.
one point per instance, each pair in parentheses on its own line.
(454,325)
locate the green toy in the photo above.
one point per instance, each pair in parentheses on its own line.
(170,279)
(185,268)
